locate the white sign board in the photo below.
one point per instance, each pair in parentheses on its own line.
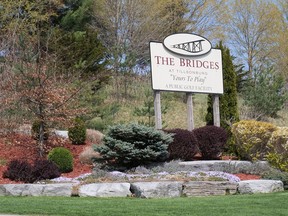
(197,74)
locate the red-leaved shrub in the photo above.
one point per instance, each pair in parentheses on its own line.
(184,145)
(211,141)
(25,172)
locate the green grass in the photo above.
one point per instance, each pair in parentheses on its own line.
(234,205)
(176,116)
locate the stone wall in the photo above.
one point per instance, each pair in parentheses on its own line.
(143,189)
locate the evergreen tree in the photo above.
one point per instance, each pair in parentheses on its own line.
(265,94)
(228,101)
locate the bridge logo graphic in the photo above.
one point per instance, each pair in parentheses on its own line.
(187,44)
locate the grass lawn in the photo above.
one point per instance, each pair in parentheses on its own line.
(252,205)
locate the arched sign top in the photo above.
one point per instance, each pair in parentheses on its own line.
(187,44)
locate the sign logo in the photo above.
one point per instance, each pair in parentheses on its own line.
(187,44)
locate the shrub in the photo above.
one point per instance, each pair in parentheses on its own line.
(63,158)
(36,128)
(45,169)
(251,138)
(77,133)
(87,155)
(23,171)
(94,136)
(277,146)
(211,141)
(96,124)
(184,145)
(19,171)
(127,146)
(275,174)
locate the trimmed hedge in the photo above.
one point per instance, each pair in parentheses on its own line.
(63,158)
(277,146)
(211,141)
(23,171)
(251,138)
(184,145)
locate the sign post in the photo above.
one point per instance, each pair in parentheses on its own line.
(190,116)
(216,110)
(186,63)
(157,108)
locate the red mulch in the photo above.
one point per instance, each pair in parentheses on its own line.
(23,147)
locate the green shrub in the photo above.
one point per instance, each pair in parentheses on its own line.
(127,146)
(77,133)
(96,124)
(211,141)
(275,174)
(63,158)
(184,145)
(277,154)
(251,138)
(36,128)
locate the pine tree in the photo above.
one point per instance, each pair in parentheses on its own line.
(228,101)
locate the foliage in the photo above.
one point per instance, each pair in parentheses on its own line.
(275,174)
(44,60)
(266,94)
(252,28)
(277,154)
(228,104)
(45,169)
(77,133)
(35,130)
(18,170)
(227,101)
(211,141)
(147,110)
(251,138)
(96,124)
(63,158)
(132,145)
(242,77)
(184,145)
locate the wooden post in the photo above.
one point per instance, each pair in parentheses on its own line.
(216,110)
(157,108)
(190,116)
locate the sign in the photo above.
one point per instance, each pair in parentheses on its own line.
(175,70)
(187,44)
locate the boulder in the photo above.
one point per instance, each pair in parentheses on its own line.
(105,190)
(230,166)
(208,188)
(36,189)
(156,189)
(62,133)
(260,186)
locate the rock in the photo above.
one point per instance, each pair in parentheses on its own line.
(62,133)
(230,166)
(105,190)
(212,165)
(260,186)
(36,189)
(208,188)
(156,189)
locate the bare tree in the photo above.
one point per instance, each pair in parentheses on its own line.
(252,30)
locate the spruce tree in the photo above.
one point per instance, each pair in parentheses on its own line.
(228,101)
